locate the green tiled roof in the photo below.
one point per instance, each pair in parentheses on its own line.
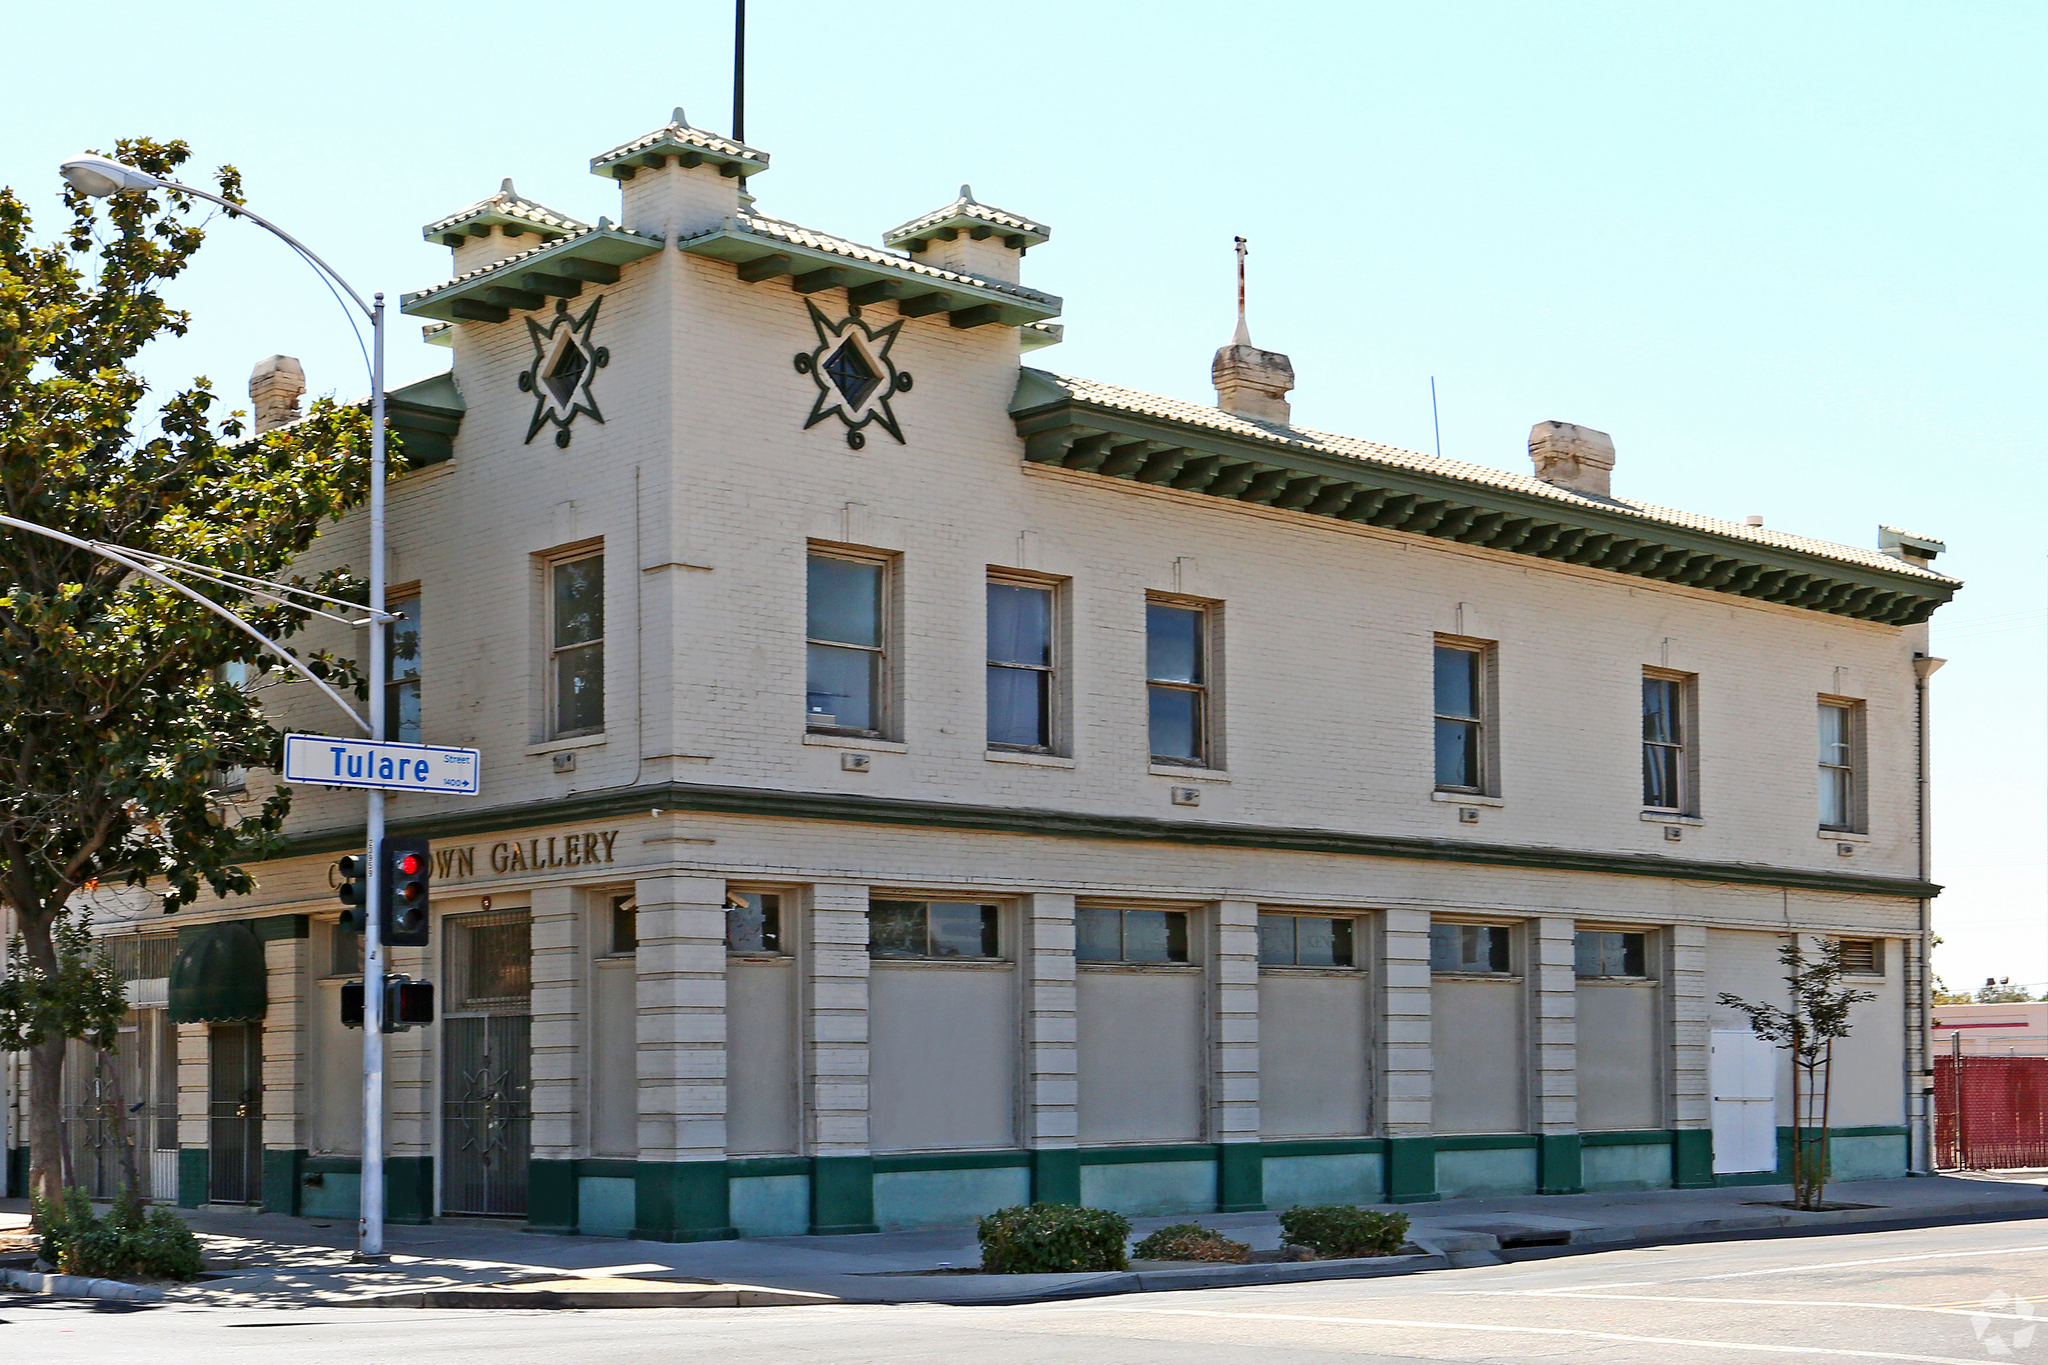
(678,138)
(507,209)
(969,215)
(526,281)
(1100,429)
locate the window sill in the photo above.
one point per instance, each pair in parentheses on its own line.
(1618,981)
(1142,968)
(767,958)
(1296,969)
(1027,758)
(1671,817)
(1191,774)
(1843,836)
(951,964)
(1504,977)
(614,959)
(572,742)
(1466,799)
(878,746)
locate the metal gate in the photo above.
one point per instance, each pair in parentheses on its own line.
(234,1055)
(1990,1113)
(487,1064)
(129,1095)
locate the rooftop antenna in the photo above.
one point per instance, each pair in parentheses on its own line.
(1243,336)
(1436,423)
(739,72)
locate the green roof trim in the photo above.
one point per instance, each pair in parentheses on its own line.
(527,281)
(426,415)
(691,146)
(970,216)
(1117,434)
(219,976)
(508,210)
(764,249)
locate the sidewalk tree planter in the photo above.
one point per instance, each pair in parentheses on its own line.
(1819,1014)
(118,722)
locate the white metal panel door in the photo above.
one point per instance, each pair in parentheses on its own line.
(1743,1072)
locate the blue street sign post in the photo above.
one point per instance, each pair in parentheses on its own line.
(331,761)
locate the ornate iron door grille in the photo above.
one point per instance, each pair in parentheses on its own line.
(487,1056)
(235,1113)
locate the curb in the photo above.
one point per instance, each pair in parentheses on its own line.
(79,1286)
(705,1296)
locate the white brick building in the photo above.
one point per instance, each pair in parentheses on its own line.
(916,782)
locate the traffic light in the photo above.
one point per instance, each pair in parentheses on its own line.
(403,893)
(406,1003)
(354,891)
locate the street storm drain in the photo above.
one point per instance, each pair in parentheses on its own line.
(1513,1235)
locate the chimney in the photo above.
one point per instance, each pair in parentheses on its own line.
(1251,382)
(1574,457)
(274,388)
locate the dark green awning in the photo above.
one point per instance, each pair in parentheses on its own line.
(220,977)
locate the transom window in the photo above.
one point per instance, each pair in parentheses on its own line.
(577,635)
(940,929)
(845,645)
(1306,941)
(402,672)
(1177,682)
(1664,741)
(1469,948)
(1460,718)
(1105,934)
(625,925)
(1837,766)
(1020,666)
(1600,952)
(753,922)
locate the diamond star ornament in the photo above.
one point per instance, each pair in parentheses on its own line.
(854,374)
(564,362)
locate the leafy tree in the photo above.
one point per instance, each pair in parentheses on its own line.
(115,719)
(1808,1030)
(1999,992)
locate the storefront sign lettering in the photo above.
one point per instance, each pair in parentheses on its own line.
(556,850)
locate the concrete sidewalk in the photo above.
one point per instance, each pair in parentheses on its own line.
(272,1261)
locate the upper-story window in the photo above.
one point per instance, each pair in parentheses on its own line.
(1177,671)
(1020,666)
(1307,941)
(1667,777)
(846,637)
(1470,948)
(1461,721)
(625,925)
(753,922)
(1602,952)
(576,645)
(1841,795)
(402,672)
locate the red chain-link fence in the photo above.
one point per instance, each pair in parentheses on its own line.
(1990,1113)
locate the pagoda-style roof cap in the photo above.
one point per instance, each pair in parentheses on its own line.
(693,146)
(969,215)
(507,209)
(526,281)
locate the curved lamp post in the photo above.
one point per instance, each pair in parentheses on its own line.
(99,177)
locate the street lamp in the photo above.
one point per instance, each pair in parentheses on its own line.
(100,176)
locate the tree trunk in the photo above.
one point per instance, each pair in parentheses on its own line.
(123,1125)
(45,1125)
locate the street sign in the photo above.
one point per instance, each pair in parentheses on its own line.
(330,761)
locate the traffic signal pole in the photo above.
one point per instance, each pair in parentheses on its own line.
(370,1227)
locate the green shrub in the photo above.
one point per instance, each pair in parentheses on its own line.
(1340,1231)
(1039,1239)
(1191,1242)
(126,1242)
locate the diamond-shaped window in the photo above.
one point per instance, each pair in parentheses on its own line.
(851,373)
(567,372)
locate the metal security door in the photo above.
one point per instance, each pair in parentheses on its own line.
(234,1054)
(487,1112)
(487,1064)
(1743,1071)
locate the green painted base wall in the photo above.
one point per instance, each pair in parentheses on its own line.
(281,1188)
(681,1201)
(195,1176)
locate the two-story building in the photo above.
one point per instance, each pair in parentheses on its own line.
(917,782)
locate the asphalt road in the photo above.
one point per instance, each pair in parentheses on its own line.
(1957,1294)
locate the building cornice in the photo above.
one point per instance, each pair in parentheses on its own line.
(844,808)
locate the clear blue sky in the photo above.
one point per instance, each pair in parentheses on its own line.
(1789,255)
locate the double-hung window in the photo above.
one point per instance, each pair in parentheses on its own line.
(1020,666)
(576,645)
(1306,941)
(1107,934)
(1665,740)
(1177,682)
(934,929)
(1470,948)
(1460,718)
(846,645)
(402,672)
(1839,798)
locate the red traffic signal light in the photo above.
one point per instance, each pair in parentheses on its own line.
(402,897)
